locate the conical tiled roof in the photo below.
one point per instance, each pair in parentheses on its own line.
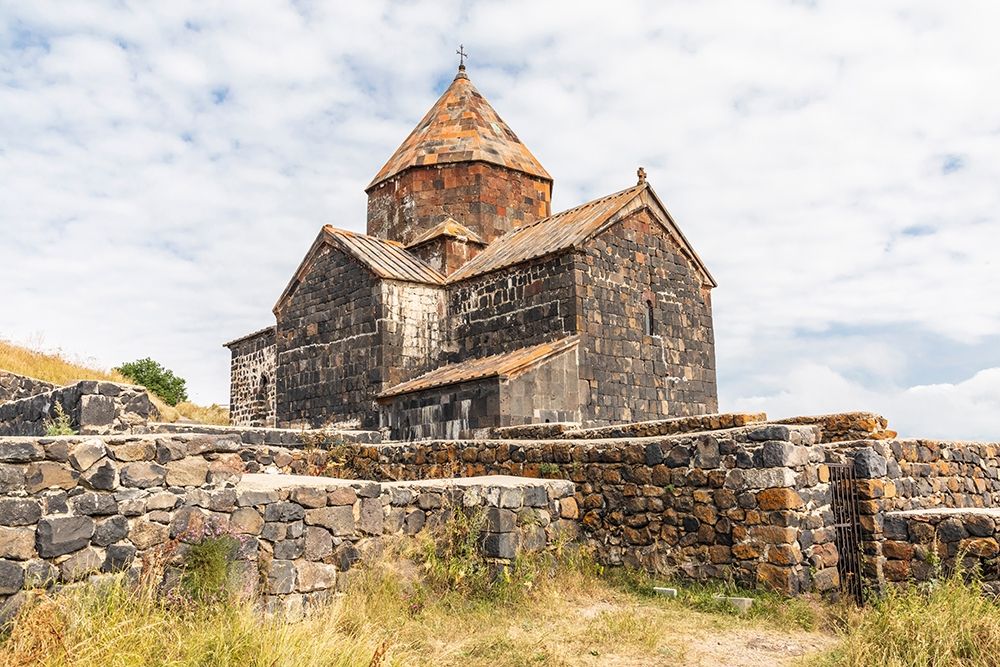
(461,127)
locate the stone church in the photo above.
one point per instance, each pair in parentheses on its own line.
(469,305)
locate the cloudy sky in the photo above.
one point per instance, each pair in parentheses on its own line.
(164,166)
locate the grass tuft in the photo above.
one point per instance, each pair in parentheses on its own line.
(949,622)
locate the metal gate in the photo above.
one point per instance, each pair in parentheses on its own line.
(846,520)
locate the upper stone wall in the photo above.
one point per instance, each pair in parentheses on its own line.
(14,387)
(515,307)
(488,199)
(92,407)
(327,337)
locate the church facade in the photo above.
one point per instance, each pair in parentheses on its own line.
(469,305)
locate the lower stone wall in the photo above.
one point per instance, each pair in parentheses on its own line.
(92,407)
(74,506)
(288,437)
(903,475)
(750,504)
(14,387)
(920,545)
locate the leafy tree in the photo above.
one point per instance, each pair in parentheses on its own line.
(154,377)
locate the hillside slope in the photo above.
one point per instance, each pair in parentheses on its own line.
(60,371)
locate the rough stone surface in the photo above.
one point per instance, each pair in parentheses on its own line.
(62,535)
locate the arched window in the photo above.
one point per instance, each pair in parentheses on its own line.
(650,322)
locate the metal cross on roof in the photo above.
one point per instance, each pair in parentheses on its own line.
(462,55)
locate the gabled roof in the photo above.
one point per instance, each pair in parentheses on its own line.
(461,127)
(450,228)
(386,259)
(571,228)
(505,366)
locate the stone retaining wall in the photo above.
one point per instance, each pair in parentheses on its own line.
(901,475)
(93,408)
(288,437)
(921,545)
(751,503)
(846,426)
(14,387)
(74,506)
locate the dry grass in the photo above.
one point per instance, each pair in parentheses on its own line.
(58,370)
(571,616)
(947,624)
(49,367)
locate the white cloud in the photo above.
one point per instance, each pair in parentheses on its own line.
(803,147)
(968,408)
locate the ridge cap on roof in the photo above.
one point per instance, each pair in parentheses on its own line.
(591,202)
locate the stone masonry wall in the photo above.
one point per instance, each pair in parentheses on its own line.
(413,326)
(488,199)
(512,308)
(327,337)
(446,254)
(846,426)
(452,411)
(14,387)
(921,545)
(74,506)
(901,475)
(93,407)
(252,380)
(750,504)
(546,393)
(626,374)
(271,436)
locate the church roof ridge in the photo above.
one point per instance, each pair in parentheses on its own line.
(571,227)
(461,126)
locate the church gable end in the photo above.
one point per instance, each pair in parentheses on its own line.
(327,336)
(648,349)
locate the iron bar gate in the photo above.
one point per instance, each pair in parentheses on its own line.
(844,504)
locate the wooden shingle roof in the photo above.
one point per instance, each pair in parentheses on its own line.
(507,365)
(461,127)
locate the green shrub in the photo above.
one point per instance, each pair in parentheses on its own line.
(61,425)
(154,377)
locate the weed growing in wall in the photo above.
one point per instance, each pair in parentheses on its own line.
(61,425)
(207,574)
